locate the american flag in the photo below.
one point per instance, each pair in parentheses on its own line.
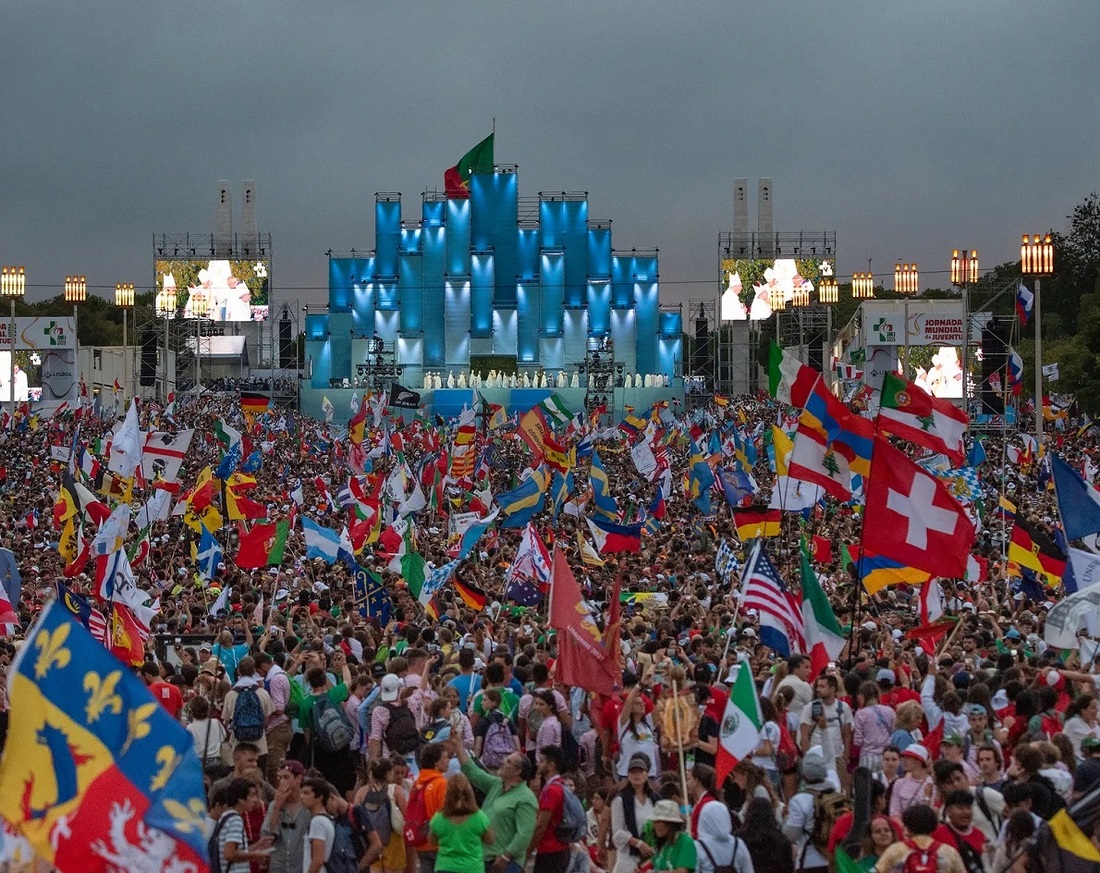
(92,619)
(782,628)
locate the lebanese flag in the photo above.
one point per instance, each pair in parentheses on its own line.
(910,412)
(917,522)
(739,732)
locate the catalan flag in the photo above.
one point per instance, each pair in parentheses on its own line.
(754,524)
(92,760)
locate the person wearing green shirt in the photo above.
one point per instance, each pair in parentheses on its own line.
(509,700)
(675,847)
(335,766)
(460,829)
(510,804)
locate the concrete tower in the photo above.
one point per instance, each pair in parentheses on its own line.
(249,233)
(740,215)
(223,227)
(765,228)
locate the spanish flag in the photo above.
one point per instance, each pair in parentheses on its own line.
(754,524)
(1031,548)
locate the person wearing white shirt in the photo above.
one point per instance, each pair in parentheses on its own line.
(322,832)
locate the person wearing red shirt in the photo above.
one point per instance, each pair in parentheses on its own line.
(958,831)
(551,854)
(166,693)
(890,694)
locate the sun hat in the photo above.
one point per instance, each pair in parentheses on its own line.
(667,811)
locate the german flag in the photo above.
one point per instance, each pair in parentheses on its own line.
(754,524)
(1031,548)
(471,595)
(254,403)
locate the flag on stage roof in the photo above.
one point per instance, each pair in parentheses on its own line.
(917,523)
(254,403)
(739,733)
(910,412)
(611,538)
(824,636)
(1025,302)
(782,627)
(477,161)
(1031,548)
(96,774)
(789,380)
(583,661)
(753,524)
(1078,502)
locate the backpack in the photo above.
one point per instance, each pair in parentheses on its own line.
(294,703)
(570,751)
(786,753)
(248,716)
(499,741)
(376,808)
(828,807)
(921,860)
(432,730)
(212,848)
(331,727)
(416,815)
(401,734)
(343,858)
(534,722)
(573,826)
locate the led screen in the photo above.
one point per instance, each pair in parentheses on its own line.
(218,290)
(754,284)
(943,375)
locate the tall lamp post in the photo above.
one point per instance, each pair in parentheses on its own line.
(907,282)
(166,307)
(76,292)
(124,300)
(827,295)
(964,273)
(1037,260)
(13,284)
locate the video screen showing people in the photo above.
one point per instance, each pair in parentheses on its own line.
(754,286)
(218,290)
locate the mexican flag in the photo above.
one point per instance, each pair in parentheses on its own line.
(824,636)
(789,380)
(479,159)
(739,732)
(913,414)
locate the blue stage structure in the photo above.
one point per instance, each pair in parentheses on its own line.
(473,282)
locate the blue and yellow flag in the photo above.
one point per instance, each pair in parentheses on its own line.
(603,502)
(521,504)
(96,774)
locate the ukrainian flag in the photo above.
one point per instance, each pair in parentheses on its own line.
(521,504)
(91,754)
(879,572)
(604,504)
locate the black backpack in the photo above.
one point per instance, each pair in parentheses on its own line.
(377,810)
(401,734)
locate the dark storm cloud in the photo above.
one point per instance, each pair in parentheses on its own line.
(909,128)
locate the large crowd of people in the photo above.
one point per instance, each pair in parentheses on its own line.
(442,740)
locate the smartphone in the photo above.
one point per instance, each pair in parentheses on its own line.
(817,709)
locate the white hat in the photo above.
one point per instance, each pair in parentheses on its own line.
(391,688)
(919,752)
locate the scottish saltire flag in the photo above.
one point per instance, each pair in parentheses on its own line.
(209,554)
(321,542)
(96,774)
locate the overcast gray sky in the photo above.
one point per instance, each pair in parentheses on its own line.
(910,128)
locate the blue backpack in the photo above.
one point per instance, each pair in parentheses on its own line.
(343,858)
(248,716)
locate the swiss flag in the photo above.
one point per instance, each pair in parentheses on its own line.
(915,520)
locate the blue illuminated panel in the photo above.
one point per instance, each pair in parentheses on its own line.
(528,254)
(552,223)
(412,293)
(456,315)
(505,238)
(576,252)
(410,239)
(622,281)
(435,255)
(458,238)
(646,326)
(599,307)
(527,313)
(481,294)
(553,292)
(599,253)
(387,232)
(433,213)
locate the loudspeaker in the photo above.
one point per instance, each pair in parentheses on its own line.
(996,336)
(148,372)
(286,346)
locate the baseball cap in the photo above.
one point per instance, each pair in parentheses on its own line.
(918,752)
(391,688)
(952,740)
(886,675)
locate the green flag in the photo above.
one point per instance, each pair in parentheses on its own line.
(479,159)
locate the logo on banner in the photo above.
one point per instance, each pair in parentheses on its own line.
(885,331)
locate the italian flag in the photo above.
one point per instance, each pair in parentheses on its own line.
(824,636)
(913,414)
(789,380)
(739,732)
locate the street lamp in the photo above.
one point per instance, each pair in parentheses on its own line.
(964,273)
(13,284)
(863,286)
(1037,260)
(76,292)
(828,293)
(166,306)
(124,299)
(906,279)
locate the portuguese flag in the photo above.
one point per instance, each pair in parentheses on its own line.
(479,159)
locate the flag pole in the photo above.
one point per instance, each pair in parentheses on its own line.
(750,568)
(679,736)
